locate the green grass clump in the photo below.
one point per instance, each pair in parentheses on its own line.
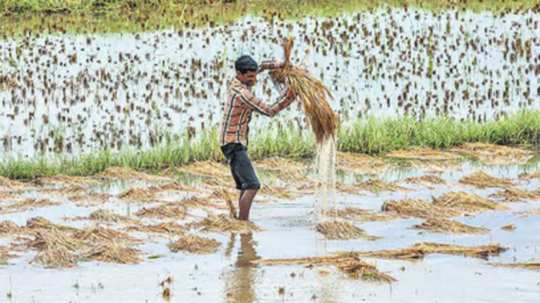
(366,135)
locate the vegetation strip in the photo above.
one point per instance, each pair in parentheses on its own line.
(366,135)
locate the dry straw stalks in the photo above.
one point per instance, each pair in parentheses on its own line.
(313,95)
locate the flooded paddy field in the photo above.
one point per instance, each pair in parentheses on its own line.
(444,230)
(74,93)
(82,109)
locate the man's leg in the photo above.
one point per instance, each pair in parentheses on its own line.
(240,200)
(245,203)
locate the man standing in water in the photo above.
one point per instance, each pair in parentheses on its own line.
(239,107)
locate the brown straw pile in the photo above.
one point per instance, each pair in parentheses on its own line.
(313,95)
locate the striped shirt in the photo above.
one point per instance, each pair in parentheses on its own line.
(239,106)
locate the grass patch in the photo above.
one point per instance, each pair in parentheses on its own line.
(365,135)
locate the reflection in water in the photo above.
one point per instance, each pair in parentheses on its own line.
(240,282)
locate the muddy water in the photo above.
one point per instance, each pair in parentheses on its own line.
(76,93)
(227,276)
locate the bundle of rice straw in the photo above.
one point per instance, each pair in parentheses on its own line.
(312,93)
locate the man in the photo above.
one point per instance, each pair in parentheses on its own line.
(239,107)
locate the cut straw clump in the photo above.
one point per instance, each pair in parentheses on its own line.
(57,258)
(364,271)
(12,185)
(429,181)
(66,191)
(161,228)
(535,175)
(108,217)
(420,250)
(63,246)
(26,204)
(362,215)
(206,168)
(279,164)
(339,230)
(346,263)
(277,192)
(89,199)
(467,202)
(417,208)
(194,202)
(313,95)
(511,194)
(125,173)
(137,194)
(8,227)
(377,186)
(225,224)
(172,187)
(5,255)
(64,179)
(194,245)
(37,223)
(445,226)
(423,153)
(481,179)
(163,212)
(435,167)
(535,265)
(361,164)
(492,154)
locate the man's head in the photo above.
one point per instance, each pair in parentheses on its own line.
(246,70)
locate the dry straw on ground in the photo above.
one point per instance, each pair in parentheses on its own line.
(361,164)
(535,175)
(364,271)
(509,227)
(26,204)
(64,179)
(109,217)
(12,185)
(313,95)
(66,191)
(423,153)
(280,164)
(163,212)
(362,215)
(277,192)
(8,227)
(419,250)
(161,228)
(527,265)
(429,181)
(206,168)
(193,202)
(511,194)
(172,187)
(439,225)
(194,244)
(89,199)
(467,202)
(126,173)
(482,179)
(436,167)
(60,246)
(377,186)
(225,224)
(417,208)
(339,230)
(492,154)
(346,263)
(137,194)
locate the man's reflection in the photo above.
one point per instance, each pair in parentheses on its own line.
(240,288)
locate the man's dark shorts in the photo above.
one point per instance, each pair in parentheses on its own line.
(241,167)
